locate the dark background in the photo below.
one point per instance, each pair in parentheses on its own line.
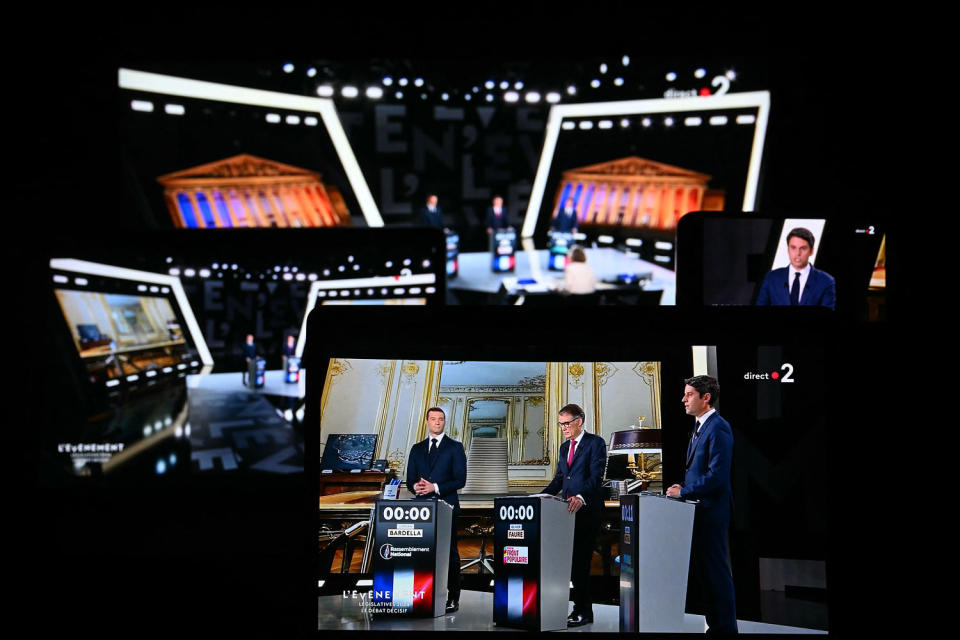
(222,557)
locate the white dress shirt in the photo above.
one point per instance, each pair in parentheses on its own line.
(439,438)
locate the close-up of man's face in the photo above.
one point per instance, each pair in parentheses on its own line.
(569,425)
(693,402)
(799,250)
(435,422)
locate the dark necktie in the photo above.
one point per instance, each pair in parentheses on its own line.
(693,438)
(433,448)
(795,290)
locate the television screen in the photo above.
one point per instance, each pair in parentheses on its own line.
(628,171)
(773,393)
(742,259)
(139,315)
(208,155)
(348,451)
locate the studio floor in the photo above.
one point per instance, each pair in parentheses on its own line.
(236,428)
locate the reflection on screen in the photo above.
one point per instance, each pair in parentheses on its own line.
(129,327)
(632,169)
(254,159)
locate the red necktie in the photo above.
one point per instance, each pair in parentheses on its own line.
(573,444)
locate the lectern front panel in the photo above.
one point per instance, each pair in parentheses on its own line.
(655,535)
(411,550)
(516,539)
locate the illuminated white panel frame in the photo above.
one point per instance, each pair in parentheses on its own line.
(376,281)
(122,273)
(699,354)
(815,225)
(172,85)
(758,99)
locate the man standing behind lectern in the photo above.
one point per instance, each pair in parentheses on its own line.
(707,479)
(437,468)
(580,466)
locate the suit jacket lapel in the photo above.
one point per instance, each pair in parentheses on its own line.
(576,451)
(565,453)
(808,287)
(812,280)
(703,431)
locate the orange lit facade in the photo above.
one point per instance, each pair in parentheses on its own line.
(635,192)
(247,191)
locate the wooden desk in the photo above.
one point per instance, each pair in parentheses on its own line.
(344,482)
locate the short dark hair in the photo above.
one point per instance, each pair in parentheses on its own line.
(427,414)
(572,409)
(704,385)
(577,254)
(802,233)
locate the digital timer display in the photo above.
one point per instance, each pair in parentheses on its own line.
(521,512)
(413,514)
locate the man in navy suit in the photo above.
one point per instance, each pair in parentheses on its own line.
(707,479)
(800,283)
(249,353)
(437,468)
(580,478)
(431,215)
(566,219)
(496,216)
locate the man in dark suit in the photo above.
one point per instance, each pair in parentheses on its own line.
(289,349)
(431,215)
(580,466)
(707,479)
(800,283)
(437,468)
(566,219)
(496,216)
(249,353)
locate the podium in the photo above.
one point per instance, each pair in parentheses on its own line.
(502,248)
(532,553)
(558,246)
(453,251)
(655,537)
(256,371)
(291,369)
(411,554)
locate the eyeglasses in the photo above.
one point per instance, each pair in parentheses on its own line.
(568,422)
